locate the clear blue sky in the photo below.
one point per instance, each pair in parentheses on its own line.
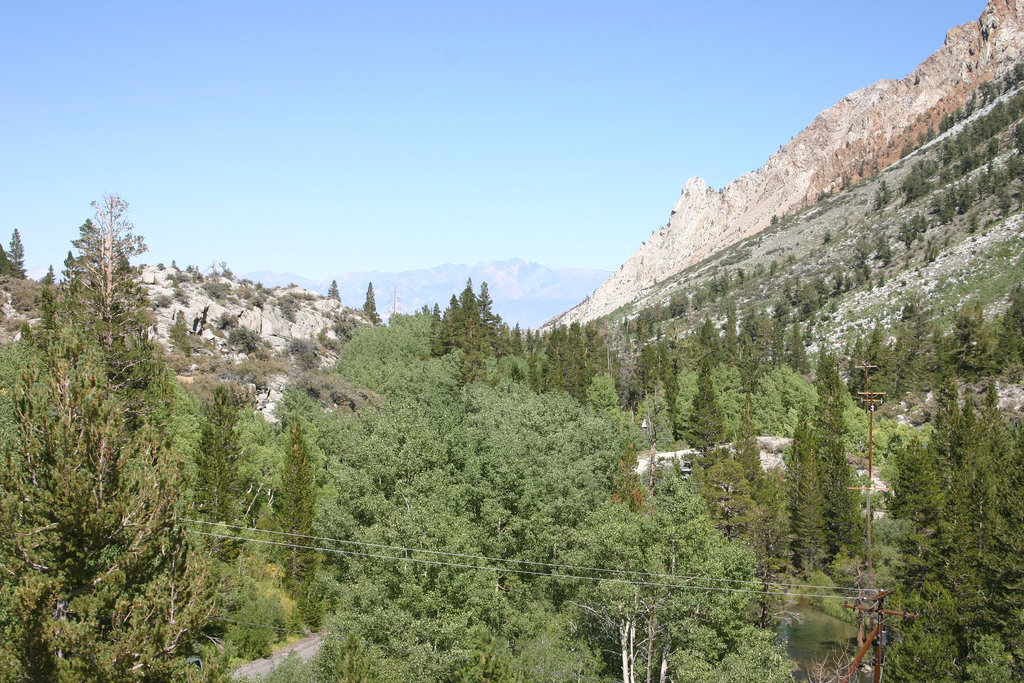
(328,137)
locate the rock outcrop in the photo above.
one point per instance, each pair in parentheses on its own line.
(865,132)
(214,305)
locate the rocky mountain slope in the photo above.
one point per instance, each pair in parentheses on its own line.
(937,230)
(868,130)
(218,328)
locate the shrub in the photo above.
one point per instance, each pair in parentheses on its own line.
(246,341)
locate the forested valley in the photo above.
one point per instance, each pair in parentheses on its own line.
(479,515)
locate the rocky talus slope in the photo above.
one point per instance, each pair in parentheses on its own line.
(861,134)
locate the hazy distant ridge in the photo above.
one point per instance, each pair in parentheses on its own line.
(524,292)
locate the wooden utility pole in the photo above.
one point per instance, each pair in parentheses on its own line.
(877,637)
(870,398)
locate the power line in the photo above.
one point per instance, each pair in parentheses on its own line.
(428,653)
(550,565)
(525,572)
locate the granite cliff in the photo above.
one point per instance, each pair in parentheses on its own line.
(865,132)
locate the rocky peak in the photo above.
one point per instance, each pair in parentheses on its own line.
(864,132)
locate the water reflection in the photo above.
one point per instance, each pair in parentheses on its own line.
(819,637)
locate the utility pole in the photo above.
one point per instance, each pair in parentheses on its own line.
(870,398)
(395,301)
(878,635)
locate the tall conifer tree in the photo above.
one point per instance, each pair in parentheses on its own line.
(102,582)
(841,513)
(297,501)
(806,503)
(707,421)
(370,306)
(16,255)
(219,482)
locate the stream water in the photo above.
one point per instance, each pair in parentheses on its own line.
(818,637)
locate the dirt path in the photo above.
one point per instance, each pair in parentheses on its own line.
(305,649)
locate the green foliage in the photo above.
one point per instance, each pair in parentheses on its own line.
(101,294)
(102,581)
(219,486)
(16,256)
(487,666)
(806,499)
(370,306)
(179,335)
(781,396)
(706,424)
(297,502)
(841,511)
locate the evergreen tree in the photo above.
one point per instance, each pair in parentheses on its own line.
(370,306)
(219,483)
(806,503)
(918,498)
(487,666)
(841,512)
(747,452)
(16,255)
(297,502)
(179,335)
(5,262)
(725,489)
(102,584)
(489,320)
(49,279)
(101,293)
(768,539)
(707,421)
(332,291)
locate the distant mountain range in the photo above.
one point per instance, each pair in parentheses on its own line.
(523,292)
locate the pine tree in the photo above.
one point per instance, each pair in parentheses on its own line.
(49,279)
(727,493)
(489,320)
(349,665)
(219,483)
(707,421)
(841,511)
(102,584)
(918,498)
(747,452)
(332,291)
(179,335)
(101,293)
(16,255)
(806,503)
(768,539)
(487,666)
(370,307)
(297,502)
(5,262)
